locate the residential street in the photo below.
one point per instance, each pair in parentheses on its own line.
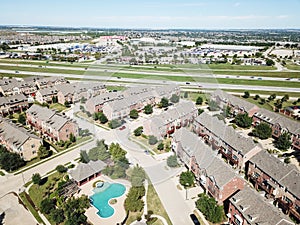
(160,175)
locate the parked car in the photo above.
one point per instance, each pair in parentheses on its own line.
(122,128)
(187,83)
(194,219)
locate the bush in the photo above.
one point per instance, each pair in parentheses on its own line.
(61,169)
(152,140)
(262,131)
(199,100)
(113,124)
(209,207)
(161,146)
(138,131)
(283,142)
(134,114)
(172,161)
(243,120)
(174,98)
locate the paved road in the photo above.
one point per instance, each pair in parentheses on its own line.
(186,72)
(157,171)
(196,83)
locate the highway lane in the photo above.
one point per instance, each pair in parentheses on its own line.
(203,85)
(187,73)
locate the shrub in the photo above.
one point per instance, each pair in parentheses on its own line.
(152,140)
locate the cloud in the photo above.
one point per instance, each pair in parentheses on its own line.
(237,4)
(177,5)
(246,17)
(282,16)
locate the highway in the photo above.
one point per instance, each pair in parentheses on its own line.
(186,73)
(116,80)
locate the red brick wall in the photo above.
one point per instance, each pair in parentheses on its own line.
(67,129)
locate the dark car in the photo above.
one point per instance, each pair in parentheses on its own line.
(194,219)
(187,82)
(122,128)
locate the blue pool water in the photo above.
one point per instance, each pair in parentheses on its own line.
(102,195)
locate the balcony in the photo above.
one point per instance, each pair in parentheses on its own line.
(289,208)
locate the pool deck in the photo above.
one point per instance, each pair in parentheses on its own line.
(119,213)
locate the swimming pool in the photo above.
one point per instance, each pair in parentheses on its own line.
(102,195)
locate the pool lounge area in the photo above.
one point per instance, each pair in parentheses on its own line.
(103,193)
(117,210)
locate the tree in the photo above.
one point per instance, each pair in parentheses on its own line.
(22,119)
(172,161)
(209,207)
(262,131)
(160,146)
(164,102)
(43,152)
(36,178)
(67,104)
(227,111)
(200,111)
(213,105)
(61,169)
(102,118)
(199,100)
(138,176)
(272,97)
(100,152)
(114,124)
(262,101)
(148,109)
(256,97)
(57,215)
(186,94)
(243,120)
(84,158)
(138,131)
(246,94)
(186,179)
(174,98)
(47,205)
(133,201)
(83,100)
(283,142)
(134,114)
(72,138)
(10,161)
(285,98)
(117,153)
(152,140)
(270,62)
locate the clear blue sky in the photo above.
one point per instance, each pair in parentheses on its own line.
(207,14)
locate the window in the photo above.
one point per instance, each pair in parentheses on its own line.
(67,130)
(33,145)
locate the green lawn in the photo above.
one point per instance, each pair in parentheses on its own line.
(256,102)
(292,66)
(38,193)
(154,204)
(57,106)
(1,173)
(260,74)
(228,66)
(254,92)
(133,217)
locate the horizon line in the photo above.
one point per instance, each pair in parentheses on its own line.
(140,28)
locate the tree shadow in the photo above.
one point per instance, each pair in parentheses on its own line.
(43,181)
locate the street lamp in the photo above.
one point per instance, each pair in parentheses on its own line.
(186,192)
